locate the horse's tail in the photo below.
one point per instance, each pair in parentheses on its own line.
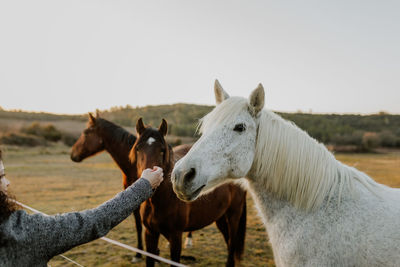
(241,234)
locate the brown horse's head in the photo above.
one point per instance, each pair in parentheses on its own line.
(150,148)
(89,143)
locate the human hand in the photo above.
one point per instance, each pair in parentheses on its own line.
(154,176)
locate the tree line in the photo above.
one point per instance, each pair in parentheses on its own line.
(359,132)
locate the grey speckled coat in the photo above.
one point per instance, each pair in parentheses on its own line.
(32,240)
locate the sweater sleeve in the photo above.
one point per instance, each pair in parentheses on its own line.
(51,235)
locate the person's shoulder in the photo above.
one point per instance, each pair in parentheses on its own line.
(15,221)
(17,214)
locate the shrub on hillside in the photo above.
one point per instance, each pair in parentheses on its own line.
(33,129)
(370,141)
(354,138)
(388,139)
(48,132)
(19,139)
(51,133)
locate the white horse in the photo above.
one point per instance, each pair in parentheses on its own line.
(317,211)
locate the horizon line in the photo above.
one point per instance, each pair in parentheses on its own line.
(299,111)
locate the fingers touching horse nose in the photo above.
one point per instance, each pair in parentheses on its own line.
(189,175)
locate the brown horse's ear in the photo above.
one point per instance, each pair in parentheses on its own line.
(140,126)
(92,119)
(163,129)
(97,113)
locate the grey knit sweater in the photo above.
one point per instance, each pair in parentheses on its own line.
(32,240)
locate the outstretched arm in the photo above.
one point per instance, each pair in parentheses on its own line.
(48,236)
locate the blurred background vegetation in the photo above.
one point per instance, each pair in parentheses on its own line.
(344,133)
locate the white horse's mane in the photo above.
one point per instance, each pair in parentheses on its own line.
(288,162)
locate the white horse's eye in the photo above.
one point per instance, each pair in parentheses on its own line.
(240,127)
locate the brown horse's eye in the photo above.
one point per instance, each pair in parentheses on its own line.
(240,127)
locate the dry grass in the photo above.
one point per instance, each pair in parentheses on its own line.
(383,168)
(46,179)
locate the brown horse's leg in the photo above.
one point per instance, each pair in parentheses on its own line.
(151,246)
(175,241)
(236,218)
(232,226)
(138,222)
(222,225)
(241,233)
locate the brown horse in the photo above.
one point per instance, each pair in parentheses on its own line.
(165,214)
(101,135)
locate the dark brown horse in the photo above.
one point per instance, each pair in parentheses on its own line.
(165,214)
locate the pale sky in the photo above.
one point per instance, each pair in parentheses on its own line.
(72,57)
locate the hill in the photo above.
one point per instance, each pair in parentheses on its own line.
(359,131)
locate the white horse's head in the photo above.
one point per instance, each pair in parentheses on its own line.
(226,148)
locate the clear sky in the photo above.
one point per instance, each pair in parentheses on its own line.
(339,56)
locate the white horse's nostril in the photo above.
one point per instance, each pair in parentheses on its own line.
(189,175)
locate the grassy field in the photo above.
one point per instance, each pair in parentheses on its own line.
(46,179)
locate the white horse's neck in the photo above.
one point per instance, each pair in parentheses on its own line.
(280,219)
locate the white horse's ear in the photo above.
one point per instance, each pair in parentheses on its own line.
(220,94)
(256,100)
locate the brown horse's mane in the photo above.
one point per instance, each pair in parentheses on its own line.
(171,161)
(117,134)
